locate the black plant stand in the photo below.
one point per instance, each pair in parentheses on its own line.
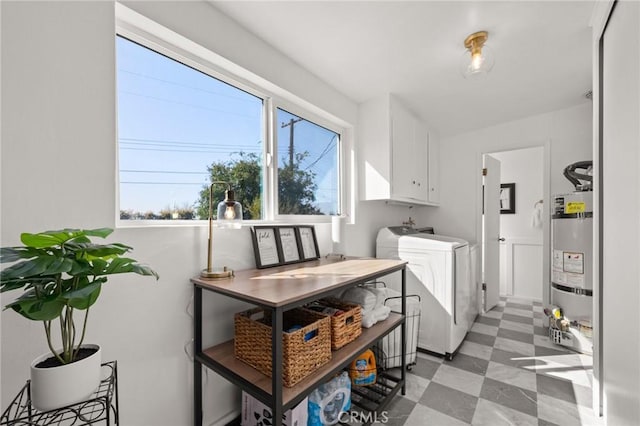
(101,406)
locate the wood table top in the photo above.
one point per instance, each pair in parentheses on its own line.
(288,284)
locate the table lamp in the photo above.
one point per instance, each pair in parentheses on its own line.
(229,211)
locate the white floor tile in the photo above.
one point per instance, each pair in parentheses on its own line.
(547,343)
(425,416)
(514,346)
(475,349)
(513,376)
(458,379)
(519,312)
(493,314)
(516,326)
(416,386)
(565,413)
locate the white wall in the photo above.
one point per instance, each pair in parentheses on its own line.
(58,170)
(621,225)
(566,136)
(521,252)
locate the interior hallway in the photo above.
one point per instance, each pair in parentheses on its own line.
(506,373)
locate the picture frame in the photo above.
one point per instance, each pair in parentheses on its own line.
(507,198)
(289,244)
(266,246)
(307,242)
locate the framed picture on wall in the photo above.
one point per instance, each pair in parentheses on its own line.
(507,198)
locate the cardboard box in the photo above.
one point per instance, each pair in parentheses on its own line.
(255,413)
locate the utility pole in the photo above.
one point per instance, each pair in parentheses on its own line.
(290,123)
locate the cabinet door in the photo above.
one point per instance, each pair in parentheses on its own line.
(434,170)
(420,163)
(402,163)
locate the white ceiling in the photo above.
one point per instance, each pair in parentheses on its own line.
(364,49)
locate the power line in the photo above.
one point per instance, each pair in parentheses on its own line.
(324,152)
(194,87)
(162,183)
(139,141)
(126,92)
(163,172)
(212,151)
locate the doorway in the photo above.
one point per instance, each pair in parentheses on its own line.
(521,225)
(524,247)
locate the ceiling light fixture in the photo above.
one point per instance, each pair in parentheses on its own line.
(478,59)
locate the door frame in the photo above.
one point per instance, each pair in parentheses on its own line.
(599,20)
(546,209)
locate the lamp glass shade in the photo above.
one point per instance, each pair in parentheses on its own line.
(229,213)
(477,63)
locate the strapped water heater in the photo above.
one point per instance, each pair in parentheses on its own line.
(572,259)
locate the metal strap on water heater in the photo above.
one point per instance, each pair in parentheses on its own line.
(574,290)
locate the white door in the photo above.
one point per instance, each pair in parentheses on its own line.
(491,232)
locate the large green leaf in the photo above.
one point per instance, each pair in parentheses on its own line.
(80,267)
(105,250)
(37,309)
(56,238)
(14,284)
(144,270)
(86,296)
(12,254)
(28,268)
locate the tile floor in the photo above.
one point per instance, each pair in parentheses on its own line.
(506,373)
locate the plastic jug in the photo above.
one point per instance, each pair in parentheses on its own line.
(363,369)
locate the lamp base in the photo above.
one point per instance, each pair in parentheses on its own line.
(216,275)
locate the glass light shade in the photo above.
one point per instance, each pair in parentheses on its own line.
(476,64)
(229,213)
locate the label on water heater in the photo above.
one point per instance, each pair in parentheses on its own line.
(575,207)
(568,279)
(559,277)
(558,260)
(575,280)
(573,262)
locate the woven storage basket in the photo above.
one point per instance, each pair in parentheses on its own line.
(345,327)
(303,350)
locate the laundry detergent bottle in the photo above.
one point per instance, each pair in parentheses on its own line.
(363,369)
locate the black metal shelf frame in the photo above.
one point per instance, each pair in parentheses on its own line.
(275,399)
(99,407)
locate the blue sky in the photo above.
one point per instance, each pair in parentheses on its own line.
(174,121)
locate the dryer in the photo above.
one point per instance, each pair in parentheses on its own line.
(439,270)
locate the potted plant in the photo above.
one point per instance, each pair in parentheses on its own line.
(61,273)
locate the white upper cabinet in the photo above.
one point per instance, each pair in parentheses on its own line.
(434,169)
(394,146)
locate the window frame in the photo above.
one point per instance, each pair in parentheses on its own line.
(319,121)
(154,36)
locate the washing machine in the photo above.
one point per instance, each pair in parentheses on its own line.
(439,270)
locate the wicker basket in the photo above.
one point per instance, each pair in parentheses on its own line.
(345,327)
(303,350)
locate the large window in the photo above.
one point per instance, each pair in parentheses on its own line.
(180,128)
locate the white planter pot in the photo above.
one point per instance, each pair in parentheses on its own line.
(57,387)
